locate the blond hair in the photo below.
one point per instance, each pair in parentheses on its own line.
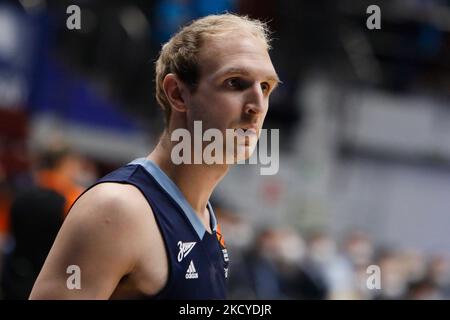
(180,54)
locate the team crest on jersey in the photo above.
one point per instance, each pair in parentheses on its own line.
(185,248)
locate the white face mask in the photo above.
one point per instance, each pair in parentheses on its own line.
(322,250)
(360,252)
(291,249)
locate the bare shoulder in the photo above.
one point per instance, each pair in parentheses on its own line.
(111,199)
(118,208)
(107,209)
(107,233)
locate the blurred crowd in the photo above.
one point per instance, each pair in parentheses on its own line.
(34,202)
(282,263)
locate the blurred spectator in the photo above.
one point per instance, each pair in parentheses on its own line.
(358,248)
(272,269)
(261,267)
(297,280)
(59,170)
(439,274)
(414,265)
(237,232)
(36,216)
(394,279)
(335,269)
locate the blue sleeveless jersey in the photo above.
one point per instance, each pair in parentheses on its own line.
(198,260)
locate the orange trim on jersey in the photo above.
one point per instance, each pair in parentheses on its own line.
(220,237)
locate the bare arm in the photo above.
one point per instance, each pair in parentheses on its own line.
(101,236)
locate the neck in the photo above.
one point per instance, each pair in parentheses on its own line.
(196,181)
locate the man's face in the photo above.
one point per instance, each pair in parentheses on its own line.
(236,80)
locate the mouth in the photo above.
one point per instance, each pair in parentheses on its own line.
(251,130)
(246,135)
(248,131)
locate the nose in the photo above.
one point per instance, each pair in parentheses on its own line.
(255,100)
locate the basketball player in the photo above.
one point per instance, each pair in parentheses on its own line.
(147,230)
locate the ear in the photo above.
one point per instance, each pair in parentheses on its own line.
(173,87)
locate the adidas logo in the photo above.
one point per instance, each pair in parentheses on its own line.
(185,248)
(191,273)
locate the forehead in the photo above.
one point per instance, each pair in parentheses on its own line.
(224,54)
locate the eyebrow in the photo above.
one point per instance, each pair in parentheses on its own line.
(245,72)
